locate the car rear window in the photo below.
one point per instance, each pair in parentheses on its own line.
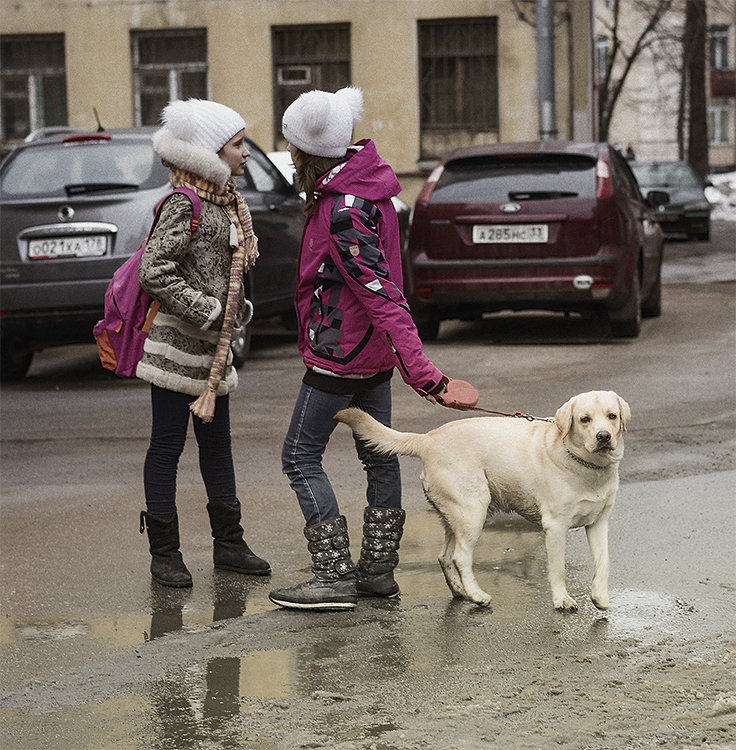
(495,179)
(76,168)
(665,174)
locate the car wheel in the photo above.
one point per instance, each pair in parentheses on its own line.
(14,363)
(626,320)
(652,305)
(240,345)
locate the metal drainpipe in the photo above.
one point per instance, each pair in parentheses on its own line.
(546,69)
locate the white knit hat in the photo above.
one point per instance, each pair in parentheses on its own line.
(209,125)
(320,123)
(192,134)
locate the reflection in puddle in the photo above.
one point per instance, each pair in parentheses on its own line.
(226,700)
(53,631)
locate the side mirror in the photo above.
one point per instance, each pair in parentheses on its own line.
(657,198)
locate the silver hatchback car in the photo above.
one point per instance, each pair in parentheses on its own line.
(75,205)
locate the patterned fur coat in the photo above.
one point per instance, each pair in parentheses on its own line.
(189,276)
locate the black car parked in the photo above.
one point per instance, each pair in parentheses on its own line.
(75,205)
(688,210)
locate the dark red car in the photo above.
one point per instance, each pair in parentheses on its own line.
(534,226)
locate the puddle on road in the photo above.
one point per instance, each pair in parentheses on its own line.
(215,700)
(509,563)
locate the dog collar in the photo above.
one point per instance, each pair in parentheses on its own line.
(586,464)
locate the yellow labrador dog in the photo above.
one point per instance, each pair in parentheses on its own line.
(559,475)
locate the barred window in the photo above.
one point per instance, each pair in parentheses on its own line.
(167,65)
(458,82)
(315,56)
(32,84)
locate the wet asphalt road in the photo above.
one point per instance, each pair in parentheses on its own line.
(96,656)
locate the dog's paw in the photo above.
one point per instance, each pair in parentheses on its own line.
(482,600)
(600,601)
(565,603)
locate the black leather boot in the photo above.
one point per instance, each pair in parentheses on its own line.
(230,552)
(167,565)
(379,553)
(333,585)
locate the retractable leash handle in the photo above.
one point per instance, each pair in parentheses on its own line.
(458,394)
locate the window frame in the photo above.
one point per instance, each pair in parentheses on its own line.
(449,110)
(720,122)
(305,57)
(40,100)
(719,44)
(176,86)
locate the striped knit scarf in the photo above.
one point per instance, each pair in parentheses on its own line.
(227,197)
(244,256)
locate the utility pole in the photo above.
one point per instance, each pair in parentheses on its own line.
(546,69)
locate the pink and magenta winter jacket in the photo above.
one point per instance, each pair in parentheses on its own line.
(353,317)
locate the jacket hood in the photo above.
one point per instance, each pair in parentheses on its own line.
(185,155)
(364,174)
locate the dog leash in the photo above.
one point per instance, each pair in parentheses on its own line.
(460,395)
(518,414)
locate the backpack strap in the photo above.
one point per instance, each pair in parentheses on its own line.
(196,207)
(193,226)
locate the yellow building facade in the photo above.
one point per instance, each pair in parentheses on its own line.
(412,58)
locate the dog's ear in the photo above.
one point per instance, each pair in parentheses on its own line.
(563,417)
(625,412)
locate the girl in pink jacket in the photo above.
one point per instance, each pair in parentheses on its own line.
(355,327)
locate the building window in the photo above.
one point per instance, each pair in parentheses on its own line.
(458,83)
(167,65)
(718,42)
(721,127)
(304,58)
(32,84)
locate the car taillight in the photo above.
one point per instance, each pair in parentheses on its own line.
(603,184)
(430,184)
(87,137)
(424,292)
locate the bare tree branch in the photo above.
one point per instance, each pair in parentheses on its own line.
(621,59)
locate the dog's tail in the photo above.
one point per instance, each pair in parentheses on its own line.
(383,439)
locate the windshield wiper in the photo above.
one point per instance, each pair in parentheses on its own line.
(539,195)
(98,187)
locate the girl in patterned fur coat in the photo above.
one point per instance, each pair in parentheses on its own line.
(186,353)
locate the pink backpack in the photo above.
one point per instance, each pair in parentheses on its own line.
(129,311)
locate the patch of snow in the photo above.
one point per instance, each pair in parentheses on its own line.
(721,194)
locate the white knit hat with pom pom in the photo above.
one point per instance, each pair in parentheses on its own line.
(320,123)
(193,132)
(209,125)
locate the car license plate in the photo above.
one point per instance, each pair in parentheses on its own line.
(509,233)
(84,246)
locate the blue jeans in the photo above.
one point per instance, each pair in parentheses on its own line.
(311,426)
(170,422)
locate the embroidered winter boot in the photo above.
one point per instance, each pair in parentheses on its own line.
(167,565)
(230,552)
(379,553)
(333,585)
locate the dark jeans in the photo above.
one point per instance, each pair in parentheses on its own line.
(311,426)
(170,423)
